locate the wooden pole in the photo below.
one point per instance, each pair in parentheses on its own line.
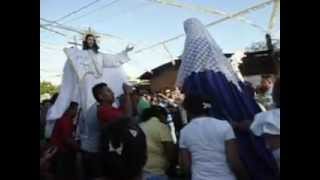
(270,47)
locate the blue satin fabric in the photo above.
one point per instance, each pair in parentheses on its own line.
(229,103)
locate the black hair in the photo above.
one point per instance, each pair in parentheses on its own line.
(154,111)
(97,89)
(195,104)
(46,101)
(129,162)
(85,46)
(136,92)
(73,105)
(140,91)
(276,93)
(266,76)
(54,98)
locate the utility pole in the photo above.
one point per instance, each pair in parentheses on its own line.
(276,64)
(75,42)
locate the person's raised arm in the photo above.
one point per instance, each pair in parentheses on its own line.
(234,160)
(127,106)
(185,161)
(167,143)
(116,60)
(69,140)
(232,153)
(170,151)
(185,158)
(48,154)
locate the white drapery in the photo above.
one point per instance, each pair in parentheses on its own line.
(82,71)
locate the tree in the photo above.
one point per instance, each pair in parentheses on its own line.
(47,87)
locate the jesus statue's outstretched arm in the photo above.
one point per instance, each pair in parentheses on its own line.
(116,60)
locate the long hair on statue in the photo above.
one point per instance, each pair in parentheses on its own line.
(85,45)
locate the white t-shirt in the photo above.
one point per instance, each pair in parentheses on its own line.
(205,139)
(266,123)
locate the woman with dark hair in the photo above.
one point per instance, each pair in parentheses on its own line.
(123,150)
(267,124)
(208,146)
(160,146)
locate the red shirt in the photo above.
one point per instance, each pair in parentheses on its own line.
(108,114)
(62,131)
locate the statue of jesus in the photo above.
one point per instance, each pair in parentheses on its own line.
(84,69)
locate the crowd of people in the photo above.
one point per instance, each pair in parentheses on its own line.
(161,119)
(189,132)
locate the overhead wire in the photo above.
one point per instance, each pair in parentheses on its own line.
(62,26)
(92,12)
(227,17)
(233,15)
(68,28)
(51,30)
(81,32)
(206,10)
(75,11)
(131,9)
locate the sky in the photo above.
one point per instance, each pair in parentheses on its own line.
(144,23)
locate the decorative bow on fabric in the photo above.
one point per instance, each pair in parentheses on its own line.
(117,150)
(133,132)
(206,105)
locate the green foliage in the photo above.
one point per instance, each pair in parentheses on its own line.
(47,87)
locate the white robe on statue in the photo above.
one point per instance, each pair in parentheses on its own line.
(82,71)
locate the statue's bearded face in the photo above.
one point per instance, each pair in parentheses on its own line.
(90,41)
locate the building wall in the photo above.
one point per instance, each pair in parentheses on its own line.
(166,79)
(254,80)
(252,70)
